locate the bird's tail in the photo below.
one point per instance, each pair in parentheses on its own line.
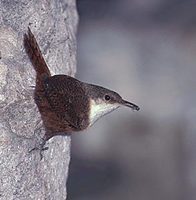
(35,55)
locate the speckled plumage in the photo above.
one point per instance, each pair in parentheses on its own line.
(61,99)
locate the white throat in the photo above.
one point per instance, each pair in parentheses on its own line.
(100,108)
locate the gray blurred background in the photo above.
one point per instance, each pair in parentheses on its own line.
(146,51)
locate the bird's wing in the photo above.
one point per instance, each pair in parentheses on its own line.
(65,97)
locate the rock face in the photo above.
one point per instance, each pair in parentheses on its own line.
(54,23)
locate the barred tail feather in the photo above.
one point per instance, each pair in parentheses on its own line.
(35,55)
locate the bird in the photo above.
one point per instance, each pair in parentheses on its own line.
(66,104)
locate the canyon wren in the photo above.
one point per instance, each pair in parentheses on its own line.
(66,104)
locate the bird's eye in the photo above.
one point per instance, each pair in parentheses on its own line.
(107,97)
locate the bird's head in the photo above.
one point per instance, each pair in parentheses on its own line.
(103,101)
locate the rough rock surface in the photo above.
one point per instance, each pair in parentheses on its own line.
(22,174)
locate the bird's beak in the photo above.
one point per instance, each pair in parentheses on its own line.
(130,105)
